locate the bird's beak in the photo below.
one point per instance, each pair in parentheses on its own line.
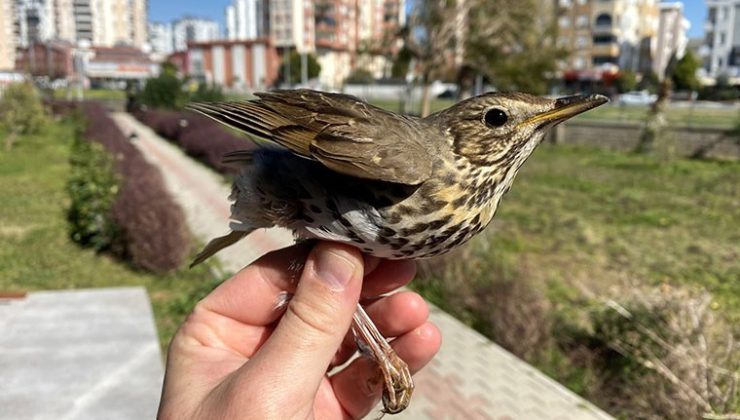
(566,108)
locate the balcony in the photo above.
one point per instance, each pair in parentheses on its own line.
(601,29)
(610,49)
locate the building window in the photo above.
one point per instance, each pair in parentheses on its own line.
(582,21)
(604,19)
(582,42)
(564,21)
(582,2)
(604,39)
(579,63)
(565,3)
(722,38)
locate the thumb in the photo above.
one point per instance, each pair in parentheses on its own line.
(298,353)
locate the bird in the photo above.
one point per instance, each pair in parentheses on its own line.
(330,166)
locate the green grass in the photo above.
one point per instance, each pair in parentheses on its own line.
(584,225)
(725,118)
(598,218)
(92,94)
(36,252)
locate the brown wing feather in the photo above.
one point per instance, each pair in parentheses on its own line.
(340,131)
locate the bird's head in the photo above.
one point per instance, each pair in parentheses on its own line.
(504,128)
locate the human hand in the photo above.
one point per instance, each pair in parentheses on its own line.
(241,356)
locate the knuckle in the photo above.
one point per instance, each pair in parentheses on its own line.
(314,316)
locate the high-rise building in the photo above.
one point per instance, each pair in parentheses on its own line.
(7,35)
(191,29)
(722,38)
(161,38)
(101,22)
(247,19)
(607,34)
(672,36)
(292,24)
(33,21)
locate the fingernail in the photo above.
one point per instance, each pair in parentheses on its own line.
(335,268)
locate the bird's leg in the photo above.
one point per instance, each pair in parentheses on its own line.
(398,384)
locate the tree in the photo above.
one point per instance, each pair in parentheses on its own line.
(684,74)
(360,76)
(21,112)
(401,63)
(432,39)
(165,90)
(294,64)
(511,44)
(649,82)
(207,93)
(626,81)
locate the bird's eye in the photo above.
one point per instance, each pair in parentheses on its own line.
(496,117)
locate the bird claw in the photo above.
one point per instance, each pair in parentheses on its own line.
(398,384)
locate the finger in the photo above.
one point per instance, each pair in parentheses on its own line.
(394,315)
(388,276)
(298,353)
(251,296)
(357,387)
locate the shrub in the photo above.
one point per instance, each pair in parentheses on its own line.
(21,112)
(165,90)
(675,358)
(207,93)
(92,188)
(152,233)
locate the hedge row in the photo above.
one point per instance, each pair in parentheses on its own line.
(150,228)
(198,136)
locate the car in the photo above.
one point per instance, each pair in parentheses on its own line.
(641,97)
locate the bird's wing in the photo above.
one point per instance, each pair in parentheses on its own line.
(342,132)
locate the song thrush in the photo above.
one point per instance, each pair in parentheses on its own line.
(395,186)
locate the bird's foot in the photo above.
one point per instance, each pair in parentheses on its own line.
(398,386)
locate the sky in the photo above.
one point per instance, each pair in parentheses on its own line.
(168,10)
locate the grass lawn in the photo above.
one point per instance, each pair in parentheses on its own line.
(725,118)
(36,252)
(680,117)
(92,94)
(585,222)
(593,219)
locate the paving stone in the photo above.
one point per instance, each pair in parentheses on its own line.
(81,354)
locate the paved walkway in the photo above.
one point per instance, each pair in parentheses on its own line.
(78,355)
(471,378)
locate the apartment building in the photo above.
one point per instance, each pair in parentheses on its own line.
(352,34)
(101,22)
(161,38)
(721,51)
(247,19)
(7,35)
(34,21)
(191,29)
(672,36)
(608,34)
(292,24)
(239,65)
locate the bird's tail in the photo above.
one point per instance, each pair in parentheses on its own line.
(218,244)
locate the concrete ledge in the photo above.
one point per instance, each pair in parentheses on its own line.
(82,354)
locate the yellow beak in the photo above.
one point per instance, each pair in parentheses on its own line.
(568,107)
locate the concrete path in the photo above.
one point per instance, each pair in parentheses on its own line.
(471,377)
(78,355)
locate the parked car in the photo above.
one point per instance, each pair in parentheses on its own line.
(641,97)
